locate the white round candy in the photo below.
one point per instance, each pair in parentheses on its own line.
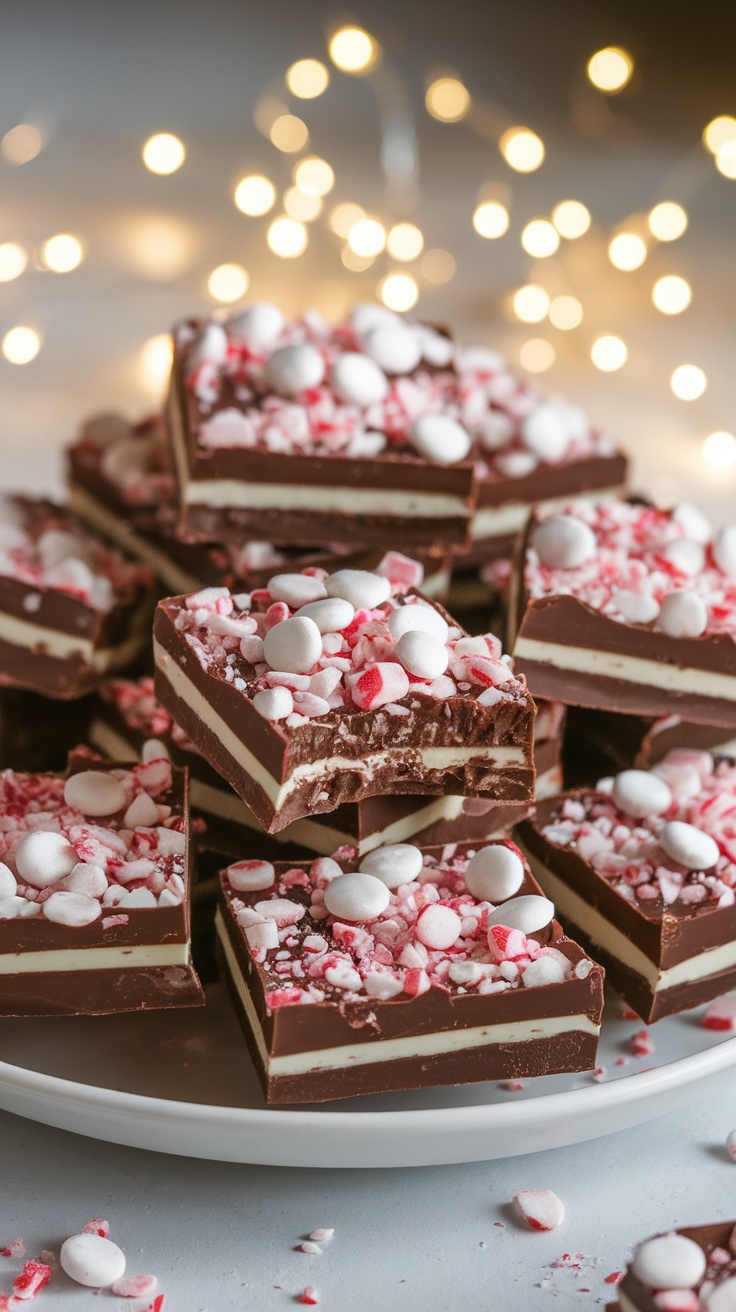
(358,379)
(274,703)
(260,324)
(689,846)
(356,897)
(564,542)
(396,347)
(94,793)
(635,607)
(693,521)
(640,794)
(209,347)
(291,369)
(687,556)
(92,1260)
(8,882)
(422,655)
(683,615)
(331,615)
(293,646)
(721,1298)
(494,873)
(669,1262)
(88,879)
(529,913)
(438,928)
(73,909)
(497,431)
(361,587)
(724,551)
(368,315)
(251,876)
(296,590)
(440,439)
(43,858)
(416,615)
(549,430)
(394,865)
(154,750)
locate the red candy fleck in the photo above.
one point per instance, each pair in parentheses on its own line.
(642,1044)
(97,1227)
(721,1015)
(309,1296)
(134,1286)
(614,1278)
(31,1280)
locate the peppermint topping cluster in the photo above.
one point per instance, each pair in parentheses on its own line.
(639,565)
(664,837)
(406,921)
(92,846)
(44,547)
(685,1276)
(313,642)
(376,384)
(135,459)
(135,700)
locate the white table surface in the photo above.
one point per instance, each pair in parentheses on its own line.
(221,1237)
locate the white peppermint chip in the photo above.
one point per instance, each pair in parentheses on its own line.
(497,431)
(12,907)
(293,646)
(210,347)
(564,542)
(382,985)
(669,1261)
(251,876)
(94,793)
(72,909)
(438,928)
(260,324)
(331,615)
(494,873)
(154,750)
(543,971)
(437,349)
(440,439)
(395,864)
(358,379)
(683,615)
(689,846)
(529,913)
(540,1208)
(87,879)
(274,703)
(693,521)
(417,615)
(724,551)
(687,556)
(363,588)
(549,430)
(8,882)
(141,812)
(635,607)
(356,897)
(395,347)
(291,369)
(296,589)
(91,1260)
(137,897)
(43,858)
(641,794)
(57,545)
(367,316)
(722,1298)
(422,655)
(467,973)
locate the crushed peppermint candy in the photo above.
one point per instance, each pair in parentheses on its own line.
(133,458)
(541,1209)
(135,701)
(721,1014)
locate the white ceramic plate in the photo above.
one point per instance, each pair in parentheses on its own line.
(182,1082)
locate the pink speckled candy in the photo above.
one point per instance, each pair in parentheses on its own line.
(540,1208)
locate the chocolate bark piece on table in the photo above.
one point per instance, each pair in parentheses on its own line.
(674,1256)
(72,609)
(121,482)
(96,874)
(363,709)
(344,991)
(629,608)
(642,871)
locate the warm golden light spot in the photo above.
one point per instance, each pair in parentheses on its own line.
(367,237)
(531,303)
(522,149)
(353,50)
(610,69)
(537,355)
(287,237)
(163,153)
(255,195)
(667,221)
(688,382)
(672,294)
(447,99)
(405,241)
(540,238)
(228,282)
(609,353)
(307,78)
(289,133)
(21,345)
(398,291)
(438,266)
(571,218)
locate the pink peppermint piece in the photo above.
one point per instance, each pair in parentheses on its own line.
(321,1236)
(642,1044)
(134,1286)
(721,1014)
(379,684)
(540,1208)
(308,1246)
(15,1249)
(614,1278)
(677,1300)
(156,1305)
(309,1295)
(31,1280)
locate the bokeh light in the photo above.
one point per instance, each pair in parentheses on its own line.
(398,291)
(531,303)
(62,253)
(353,50)
(667,221)
(522,149)
(288,133)
(726,159)
(299,205)
(610,69)
(21,345)
(540,238)
(571,218)
(287,237)
(21,144)
(609,353)
(255,195)
(447,99)
(537,355)
(314,176)
(719,450)
(719,132)
(491,219)
(228,282)
(155,363)
(688,382)
(158,246)
(405,241)
(438,266)
(13,261)
(627,251)
(163,153)
(367,237)
(307,78)
(354,262)
(344,215)
(565,313)
(671,294)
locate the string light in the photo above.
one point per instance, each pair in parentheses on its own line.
(344,216)
(367,237)
(314,176)
(565,313)
(522,149)
(13,261)
(155,363)
(299,205)
(287,237)
(21,345)
(719,450)
(571,218)
(688,382)
(627,251)
(228,282)
(726,159)
(353,50)
(448,99)
(288,133)
(21,144)
(531,303)
(438,266)
(491,219)
(398,291)
(62,253)
(540,238)
(610,69)
(255,195)
(537,355)
(671,294)
(608,353)
(159,246)
(719,132)
(667,221)
(163,153)
(405,241)
(354,262)
(307,78)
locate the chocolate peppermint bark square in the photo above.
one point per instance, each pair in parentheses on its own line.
(414,967)
(629,608)
(692,1269)
(642,870)
(323,689)
(95,875)
(72,609)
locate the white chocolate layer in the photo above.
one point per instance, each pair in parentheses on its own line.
(62,646)
(633,669)
(224,493)
(511,516)
(99,517)
(137,956)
